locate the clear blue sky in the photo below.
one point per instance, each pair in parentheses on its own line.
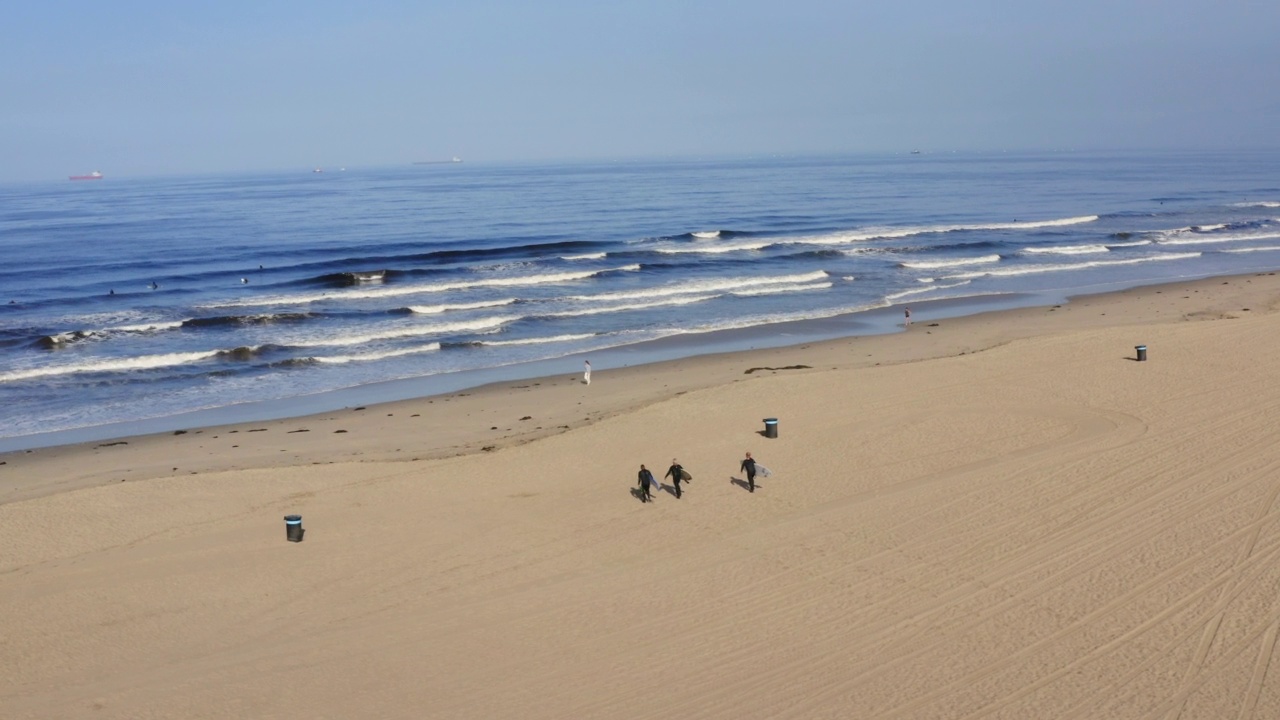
(145,88)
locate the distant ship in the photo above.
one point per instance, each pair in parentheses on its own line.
(95,175)
(454,159)
(317,170)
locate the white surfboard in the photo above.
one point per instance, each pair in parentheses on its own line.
(657,486)
(763,471)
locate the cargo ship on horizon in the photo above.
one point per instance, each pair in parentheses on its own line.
(95,175)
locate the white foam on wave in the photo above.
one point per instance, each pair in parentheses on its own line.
(585,256)
(889,233)
(732,247)
(891,297)
(437,309)
(366,357)
(1068,267)
(145,327)
(702,286)
(780,289)
(142,362)
(71,336)
(1264,248)
(846,237)
(396,291)
(1067,250)
(1214,239)
(682,300)
(405,332)
(1131,243)
(538,340)
(1162,235)
(1260,203)
(957,262)
(707,234)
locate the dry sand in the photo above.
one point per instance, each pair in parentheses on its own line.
(1001,516)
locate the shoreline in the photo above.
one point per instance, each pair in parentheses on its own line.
(866,322)
(514,411)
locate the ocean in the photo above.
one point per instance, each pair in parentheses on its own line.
(147,304)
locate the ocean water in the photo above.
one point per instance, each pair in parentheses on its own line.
(128,299)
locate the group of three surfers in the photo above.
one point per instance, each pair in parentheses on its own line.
(678,474)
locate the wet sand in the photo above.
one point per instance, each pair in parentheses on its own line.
(1002,515)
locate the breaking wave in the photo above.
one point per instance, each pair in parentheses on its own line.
(405,332)
(1067,250)
(397,291)
(1208,239)
(436,309)
(366,357)
(1035,269)
(522,341)
(704,286)
(958,262)
(144,362)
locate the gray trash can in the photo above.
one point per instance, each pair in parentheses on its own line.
(1142,352)
(293,528)
(771,427)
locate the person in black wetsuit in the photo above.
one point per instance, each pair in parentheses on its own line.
(646,480)
(749,467)
(676,473)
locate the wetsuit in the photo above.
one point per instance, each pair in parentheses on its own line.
(749,467)
(645,478)
(674,472)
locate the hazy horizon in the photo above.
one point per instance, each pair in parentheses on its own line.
(143,89)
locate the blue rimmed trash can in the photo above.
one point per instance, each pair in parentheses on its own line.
(771,427)
(293,528)
(1142,352)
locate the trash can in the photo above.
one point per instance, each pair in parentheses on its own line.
(771,427)
(293,528)
(1142,352)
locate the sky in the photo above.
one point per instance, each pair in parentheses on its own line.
(135,88)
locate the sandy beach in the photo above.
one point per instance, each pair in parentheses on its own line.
(997,516)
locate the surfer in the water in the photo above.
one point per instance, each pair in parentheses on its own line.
(749,467)
(677,475)
(646,479)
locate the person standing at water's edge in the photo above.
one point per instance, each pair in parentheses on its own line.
(645,479)
(677,474)
(586,373)
(907,318)
(749,467)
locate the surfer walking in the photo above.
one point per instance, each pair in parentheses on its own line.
(586,373)
(907,318)
(749,467)
(646,480)
(677,474)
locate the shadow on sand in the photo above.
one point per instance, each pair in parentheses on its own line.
(743,483)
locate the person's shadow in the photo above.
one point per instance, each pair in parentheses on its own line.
(671,489)
(743,483)
(637,494)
